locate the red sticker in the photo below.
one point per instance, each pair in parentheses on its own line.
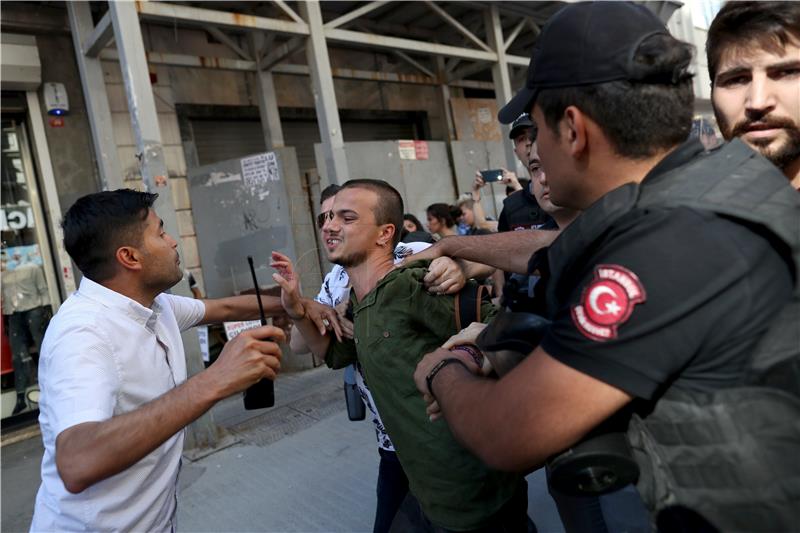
(607,302)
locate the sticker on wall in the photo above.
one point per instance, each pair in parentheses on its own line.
(407,149)
(258,170)
(421,149)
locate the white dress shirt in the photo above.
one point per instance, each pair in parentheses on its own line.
(105,355)
(335,289)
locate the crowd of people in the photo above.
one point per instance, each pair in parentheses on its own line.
(647,289)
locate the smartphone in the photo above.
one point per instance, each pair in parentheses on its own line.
(494,175)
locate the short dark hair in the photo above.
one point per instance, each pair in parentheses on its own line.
(444,212)
(638,117)
(389,209)
(98,224)
(769,24)
(328,192)
(414,220)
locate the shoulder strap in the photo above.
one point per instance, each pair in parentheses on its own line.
(467,305)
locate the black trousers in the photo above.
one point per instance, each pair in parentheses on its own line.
(392,490)
(511,518)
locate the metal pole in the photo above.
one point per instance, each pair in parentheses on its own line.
(267,99)
(330,128)
(144,119)
(502,82)
(95,96)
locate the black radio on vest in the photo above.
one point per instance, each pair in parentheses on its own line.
(262,394)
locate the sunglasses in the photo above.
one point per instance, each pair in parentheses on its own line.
(324,217)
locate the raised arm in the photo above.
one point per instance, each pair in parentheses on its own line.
(309,317)
(243,307)
(509,251)
(93,451)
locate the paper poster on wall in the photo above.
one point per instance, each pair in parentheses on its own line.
(15,257)
(202,337)
(406,149)
(234,328)
(260,169)
(421,149)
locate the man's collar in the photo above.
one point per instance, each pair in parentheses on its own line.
(114,300)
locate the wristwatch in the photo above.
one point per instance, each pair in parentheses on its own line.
(435,370)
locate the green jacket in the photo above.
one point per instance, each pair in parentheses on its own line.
(394,326)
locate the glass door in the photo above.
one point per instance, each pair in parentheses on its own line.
(25,257)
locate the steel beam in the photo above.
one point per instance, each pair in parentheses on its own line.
(447,17)
(95,96)
(289,11)
(502,82)
(410,45)
(281,52)
(267,99)
(330,128)
(200,16)
(414,63)
(444,100)
(354,14)
(514,34)
(468,70)
(144,119)
(227,41)
(141,104)
(222,63)
(100,37)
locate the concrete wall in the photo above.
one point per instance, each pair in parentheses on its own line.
(71,151)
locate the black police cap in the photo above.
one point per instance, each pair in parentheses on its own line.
(584,44)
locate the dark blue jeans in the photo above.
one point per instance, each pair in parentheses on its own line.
(392,489)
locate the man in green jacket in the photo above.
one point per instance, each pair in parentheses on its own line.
(396,321)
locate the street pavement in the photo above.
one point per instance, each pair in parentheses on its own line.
(301,466)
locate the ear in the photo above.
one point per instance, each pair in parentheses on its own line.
(386,235)
(129,258)
(574,128)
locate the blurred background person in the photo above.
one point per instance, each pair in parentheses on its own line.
(442,219)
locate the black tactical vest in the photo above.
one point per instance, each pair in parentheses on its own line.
(728,459)
(521,211)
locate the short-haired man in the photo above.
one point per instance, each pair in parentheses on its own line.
(705,357)
(395,322)
(115,397)
(753,51)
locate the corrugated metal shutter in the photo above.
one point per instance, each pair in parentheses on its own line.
(219,140)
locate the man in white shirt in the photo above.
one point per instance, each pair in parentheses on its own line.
(115,397)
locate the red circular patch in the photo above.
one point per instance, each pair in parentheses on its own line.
(606,302)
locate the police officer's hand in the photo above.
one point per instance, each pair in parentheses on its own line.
(444,276)
(245,360)
(424,368)
(430,253)
(468,335)
(291,299)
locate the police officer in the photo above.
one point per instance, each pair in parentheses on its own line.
(674,295)
(520,209)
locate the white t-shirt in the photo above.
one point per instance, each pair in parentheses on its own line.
(336,289)
(105,355)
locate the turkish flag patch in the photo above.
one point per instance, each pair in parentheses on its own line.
(607,302)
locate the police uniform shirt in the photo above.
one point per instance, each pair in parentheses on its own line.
(672,297)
